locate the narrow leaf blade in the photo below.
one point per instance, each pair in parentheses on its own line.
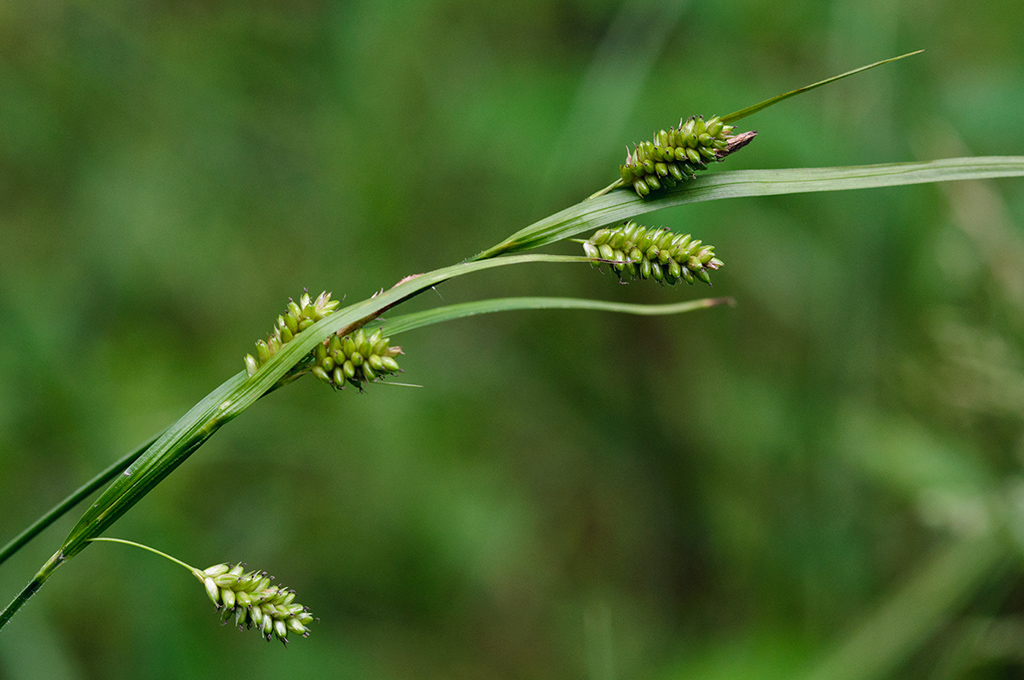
(239,392)
(408,322)
(750,110)
(619,206)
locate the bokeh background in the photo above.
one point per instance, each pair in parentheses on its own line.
(824,481)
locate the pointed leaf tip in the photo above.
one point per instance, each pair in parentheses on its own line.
(750,110)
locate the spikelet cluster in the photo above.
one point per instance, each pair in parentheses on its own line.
(250,598)
(355,359)
(650,253)
(678,153)
(300,316)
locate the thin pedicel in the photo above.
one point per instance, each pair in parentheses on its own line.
(248,597)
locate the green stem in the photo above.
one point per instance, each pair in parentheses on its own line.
(72,548)
(29,590)
(58,558)
(233,397)
(146,547)
(76,497)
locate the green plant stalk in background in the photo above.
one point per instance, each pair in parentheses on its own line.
(147,466)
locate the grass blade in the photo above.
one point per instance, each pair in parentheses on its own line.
(619,206)
(240,392)
(743,113)
(408,322)
(73,499)
(230,399)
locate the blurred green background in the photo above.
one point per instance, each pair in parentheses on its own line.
(824,481)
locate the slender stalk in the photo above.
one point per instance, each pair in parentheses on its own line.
(146,547)
(229,400)
(78,495)
(29,590)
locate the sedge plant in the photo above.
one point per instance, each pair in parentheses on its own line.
(350,346)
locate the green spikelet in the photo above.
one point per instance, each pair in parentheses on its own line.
(355,359)
(678,153)
(299,316)
(249,597)
(648,253)
(251,600)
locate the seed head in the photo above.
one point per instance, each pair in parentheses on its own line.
(355,359)
(299,316)
(251,600)
(635,251)
(676,154)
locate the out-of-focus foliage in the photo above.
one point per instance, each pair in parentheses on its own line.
(825,479)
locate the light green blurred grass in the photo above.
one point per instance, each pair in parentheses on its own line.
(569,495)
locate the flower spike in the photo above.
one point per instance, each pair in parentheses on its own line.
(676,154)
(248,597)
(251,600)
(355,359)
(634,251)
(300,316)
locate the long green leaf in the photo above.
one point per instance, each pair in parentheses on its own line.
(622,205)
(73,499)
(619,206)
(239,392)
(408,322)
(760,106)
(235,395)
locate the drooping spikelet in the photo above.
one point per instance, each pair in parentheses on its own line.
(300,316)
(678,153)
(356,359)
(647,252)
(250,598)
